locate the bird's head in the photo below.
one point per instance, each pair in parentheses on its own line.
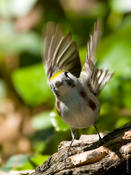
(62,82)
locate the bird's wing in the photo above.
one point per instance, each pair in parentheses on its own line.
(90,75)
(60,52)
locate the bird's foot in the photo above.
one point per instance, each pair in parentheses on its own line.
(100,140)
(66,155)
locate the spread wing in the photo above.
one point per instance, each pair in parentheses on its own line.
(90,75)
(60,52)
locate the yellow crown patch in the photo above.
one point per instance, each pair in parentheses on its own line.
(55,75)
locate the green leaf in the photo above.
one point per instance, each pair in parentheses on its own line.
(120,6)
(41,121)
(122,121)
(14,8)
(31,84)
(39,146)
(127,93)
(11,41)
(57,122)
(15,161)
(39,159)
(29,41)
(26,166)
(24,162)
(115,53)
(33,162)
(82,53)
(112,91)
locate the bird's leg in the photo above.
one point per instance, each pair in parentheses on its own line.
(100,139)
(73,137)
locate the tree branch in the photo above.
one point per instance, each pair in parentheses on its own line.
(89,156)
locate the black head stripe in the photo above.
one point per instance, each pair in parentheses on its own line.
(66,74)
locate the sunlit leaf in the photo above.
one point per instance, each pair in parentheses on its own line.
(41,121)
(57,122)
(39,146)
(39,159)
(127,93)
(122,121)
(33,162)
(121,5)
(30,83)
(115,53)
(15,161)
(15,8)
(27,166)
(82,53)
(13,41)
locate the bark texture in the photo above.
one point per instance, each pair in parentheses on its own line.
(88,156)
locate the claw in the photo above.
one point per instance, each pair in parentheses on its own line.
(66,155)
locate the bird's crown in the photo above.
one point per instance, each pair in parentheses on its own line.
(56,74)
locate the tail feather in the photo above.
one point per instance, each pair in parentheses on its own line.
(99,79)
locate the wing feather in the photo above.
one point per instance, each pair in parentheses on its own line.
(60,52)
(94,78)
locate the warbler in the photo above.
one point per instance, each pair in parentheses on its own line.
(76,90)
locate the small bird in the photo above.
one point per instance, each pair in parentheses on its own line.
(75,89)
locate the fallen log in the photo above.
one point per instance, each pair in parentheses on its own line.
(89,156)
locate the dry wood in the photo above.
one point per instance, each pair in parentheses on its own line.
(89,156)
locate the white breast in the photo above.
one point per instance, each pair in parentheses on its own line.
(76,112)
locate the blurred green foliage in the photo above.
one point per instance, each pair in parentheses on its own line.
(11,41)
(41,121)
(24,162)
(57,121)
(29,79)
(15,161)
(115,53)
(31,85)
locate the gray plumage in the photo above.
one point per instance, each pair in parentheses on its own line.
(75,90)
(60,52)
(95,78)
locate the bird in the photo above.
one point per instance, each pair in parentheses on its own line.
(75,88)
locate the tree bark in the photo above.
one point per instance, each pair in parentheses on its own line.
(89,156)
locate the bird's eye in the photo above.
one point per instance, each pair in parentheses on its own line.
(66,74)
